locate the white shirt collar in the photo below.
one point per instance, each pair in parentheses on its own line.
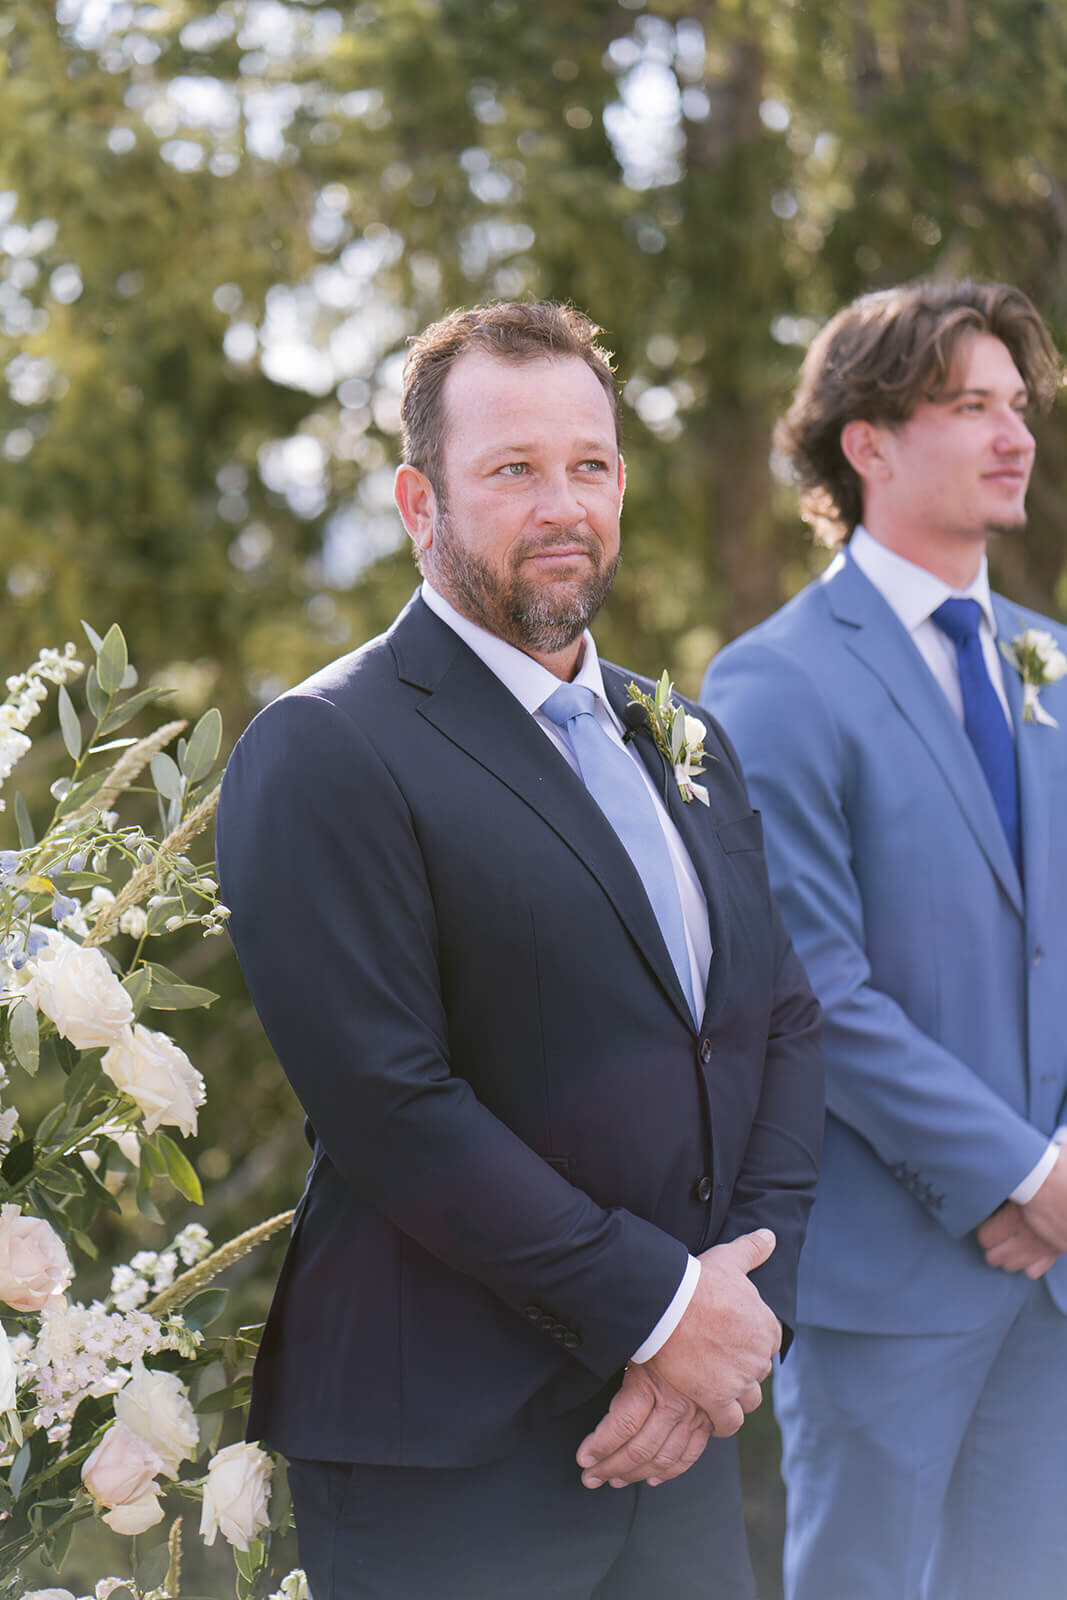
(527,679)
(912,592)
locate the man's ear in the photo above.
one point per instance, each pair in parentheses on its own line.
(417,504)
(863,447)
(622,481)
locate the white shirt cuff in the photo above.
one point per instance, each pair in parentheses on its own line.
(1032,1182)
(673,1314)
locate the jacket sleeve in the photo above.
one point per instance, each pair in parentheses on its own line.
(333,922)
(917,1104)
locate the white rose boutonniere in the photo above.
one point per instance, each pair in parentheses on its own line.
(679,737)
(1039,661)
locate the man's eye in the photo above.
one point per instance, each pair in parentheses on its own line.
(514,469)
(594,466)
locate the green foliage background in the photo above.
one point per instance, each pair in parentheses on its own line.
(219,223)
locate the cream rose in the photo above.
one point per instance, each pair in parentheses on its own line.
(152,1070)
(156,1407)
(33,1263)
(694,731)
(48,1594)
(121,1474)
(236,1495)
(81,994)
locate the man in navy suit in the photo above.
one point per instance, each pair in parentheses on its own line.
(559,1062)
(905,733)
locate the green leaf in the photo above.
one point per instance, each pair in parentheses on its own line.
(18,1162)
(19,1468)
(677,734)
(203,748)
(24,1034)
(180,1169)
(129,678)
(200,1312)
(121,714)
(97,700)
(152,1160)
(25,826)
(235,1394)
(83,1241)
(69,725)
(112,744)
(93,637)
(169,993)
(61,1180)
(83,1080)
(145,1204)
(112,660)
(169,906)
(55,1550)
(166,777)
(137,985)
(80,793)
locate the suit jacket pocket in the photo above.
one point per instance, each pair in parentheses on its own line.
(746,833)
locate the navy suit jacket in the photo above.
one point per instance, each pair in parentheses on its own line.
(518,1130)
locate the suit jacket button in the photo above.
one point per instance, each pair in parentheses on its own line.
(705,1051)
(570,1341)
(703,1189)
(534,1313)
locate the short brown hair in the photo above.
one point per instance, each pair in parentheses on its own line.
(876,360)
(513,330)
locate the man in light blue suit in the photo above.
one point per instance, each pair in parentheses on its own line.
(905,735)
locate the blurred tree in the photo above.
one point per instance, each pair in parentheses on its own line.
(218,223)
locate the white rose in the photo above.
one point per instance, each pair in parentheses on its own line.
(48,1594)
(33,1263)
(153,1071)
(135,1517)
(236,1495)
(156,1407)
(122,1470)
(81,994)
(694,731)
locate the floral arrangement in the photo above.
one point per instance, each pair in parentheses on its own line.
(679,737)
(1039,661)
(107,1408)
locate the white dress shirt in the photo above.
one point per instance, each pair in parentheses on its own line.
(915,594)
(531,684)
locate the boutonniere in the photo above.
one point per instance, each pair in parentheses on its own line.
(1039,661)
(679,737)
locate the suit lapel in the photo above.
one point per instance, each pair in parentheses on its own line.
(1035,747)
(694,827)
(879,639)
(469,705)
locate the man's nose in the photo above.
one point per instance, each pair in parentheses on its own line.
(1013,435)
(560,503)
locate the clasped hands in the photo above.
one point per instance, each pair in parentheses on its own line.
(1029,1238)
(702,1381)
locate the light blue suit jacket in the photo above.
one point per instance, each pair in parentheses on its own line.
(944,982)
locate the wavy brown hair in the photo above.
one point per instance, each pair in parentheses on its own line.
(511,330)
(876,360)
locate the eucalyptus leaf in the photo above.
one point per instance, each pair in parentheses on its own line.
(69,726)
(112,660)
(169,993)
(199,1313)
(24,1033)
(23,823)
(119,715)
(80,793)
(96,699)
(166,776)
(203,749)
(235,1394)
(61,1180)
(137,985)
(19,1468)
(93,637)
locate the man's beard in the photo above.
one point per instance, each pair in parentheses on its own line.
(531,616)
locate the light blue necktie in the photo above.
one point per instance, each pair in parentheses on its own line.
(613,781)
(983,714)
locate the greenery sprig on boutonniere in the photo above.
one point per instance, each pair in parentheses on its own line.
(1039,661)
(679,737)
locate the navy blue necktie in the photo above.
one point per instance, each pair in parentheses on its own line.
(613,781)
(983,715)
